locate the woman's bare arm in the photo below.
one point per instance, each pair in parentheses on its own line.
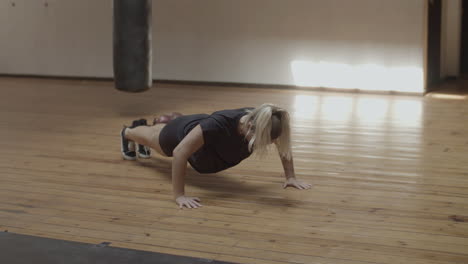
(288,166)
(190,144)
(290,175)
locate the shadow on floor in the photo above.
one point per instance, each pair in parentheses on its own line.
(223,187)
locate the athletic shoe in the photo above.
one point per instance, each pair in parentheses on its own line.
(127,147)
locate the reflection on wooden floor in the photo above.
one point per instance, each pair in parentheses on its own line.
(390,176)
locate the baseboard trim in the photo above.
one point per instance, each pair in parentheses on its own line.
(220,84)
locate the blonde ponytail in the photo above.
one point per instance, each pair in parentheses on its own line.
(260,129)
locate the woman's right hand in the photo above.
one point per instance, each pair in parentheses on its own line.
(189,202)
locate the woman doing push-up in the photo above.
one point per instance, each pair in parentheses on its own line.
(212,143)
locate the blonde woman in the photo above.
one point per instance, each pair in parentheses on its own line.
(212,143)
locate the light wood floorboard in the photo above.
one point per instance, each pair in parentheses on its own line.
(389,175)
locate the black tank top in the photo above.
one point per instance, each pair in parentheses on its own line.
(224,147)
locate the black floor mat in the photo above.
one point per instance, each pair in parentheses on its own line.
(21,249)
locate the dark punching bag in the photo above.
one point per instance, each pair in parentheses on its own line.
(132,45)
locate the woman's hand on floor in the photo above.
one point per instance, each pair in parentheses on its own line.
(189,202)
(293,182)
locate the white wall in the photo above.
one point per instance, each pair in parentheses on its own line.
(69,37)
(333,43)
(451,38)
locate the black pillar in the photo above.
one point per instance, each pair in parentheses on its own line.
(464,46)
(132,45)
(433,41)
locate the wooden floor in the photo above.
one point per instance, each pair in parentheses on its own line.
(390,176)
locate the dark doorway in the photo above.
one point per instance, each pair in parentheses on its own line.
(464,44)
(433,49)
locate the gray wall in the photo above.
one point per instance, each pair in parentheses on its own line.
(252,41)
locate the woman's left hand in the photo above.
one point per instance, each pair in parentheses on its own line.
(293,182)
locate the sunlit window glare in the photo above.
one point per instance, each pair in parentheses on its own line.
(371,77)
(305,106)
(372,120)
(364,110)
(337,108)
(371,110)
(407,112)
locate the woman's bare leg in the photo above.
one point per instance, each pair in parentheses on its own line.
(147,136)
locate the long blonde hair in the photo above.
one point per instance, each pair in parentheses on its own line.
(268,124)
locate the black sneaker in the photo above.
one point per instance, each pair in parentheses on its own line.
(144,152)
(127,147)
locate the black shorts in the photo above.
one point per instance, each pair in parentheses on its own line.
(173,133)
